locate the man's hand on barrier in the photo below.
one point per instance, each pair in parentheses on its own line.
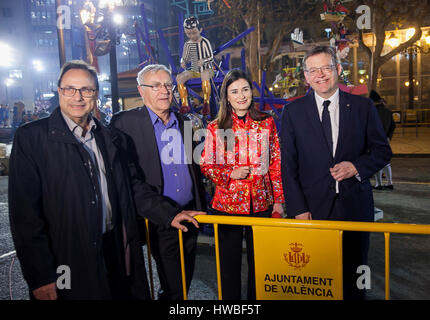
(46,292)
(185,215)
(304,216)
(277,211)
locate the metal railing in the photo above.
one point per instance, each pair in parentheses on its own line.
(10,255)
(411,118)
(385,228)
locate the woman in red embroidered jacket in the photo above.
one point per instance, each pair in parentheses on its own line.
(242,158)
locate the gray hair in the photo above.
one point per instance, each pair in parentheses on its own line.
(152,68)
(320,49)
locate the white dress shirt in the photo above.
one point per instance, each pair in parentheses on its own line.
(88,141)
(333,109)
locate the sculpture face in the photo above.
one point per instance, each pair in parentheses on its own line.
(193,34)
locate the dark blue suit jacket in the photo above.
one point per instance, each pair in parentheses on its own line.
(306,158)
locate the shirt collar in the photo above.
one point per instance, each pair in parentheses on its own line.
(154,118)
(76,129)
(333,100)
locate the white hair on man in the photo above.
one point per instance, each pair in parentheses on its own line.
(152,68)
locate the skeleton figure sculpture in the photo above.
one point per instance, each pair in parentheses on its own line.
(198,51)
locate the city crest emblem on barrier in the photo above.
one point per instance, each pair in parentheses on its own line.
(295,257)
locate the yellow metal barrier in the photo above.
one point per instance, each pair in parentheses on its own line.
(148,248)
(386,228)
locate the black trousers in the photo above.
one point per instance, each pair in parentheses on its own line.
(355,250)
(165,250)
(113,256)
(230,250)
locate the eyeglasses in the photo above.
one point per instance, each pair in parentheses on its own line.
(84,92)
(158,86)
(323,69)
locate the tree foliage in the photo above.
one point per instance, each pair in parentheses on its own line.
(275,19)
(386,15)
(278,18)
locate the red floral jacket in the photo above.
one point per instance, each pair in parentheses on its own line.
(256,144)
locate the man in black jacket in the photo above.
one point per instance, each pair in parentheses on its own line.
(72,217)
(156,135)
(389,125)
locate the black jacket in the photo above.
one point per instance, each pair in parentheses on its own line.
(137,126)
(55,215)
(387,120)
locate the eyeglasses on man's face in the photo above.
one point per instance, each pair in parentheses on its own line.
(84,92)
(324,69)
(158,86)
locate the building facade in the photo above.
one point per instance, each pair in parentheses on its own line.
(29,55)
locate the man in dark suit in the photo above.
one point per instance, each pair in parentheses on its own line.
(156,134)
(332,142)
(70,203)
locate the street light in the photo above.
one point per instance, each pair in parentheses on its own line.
(410,33)
(410,52)
(393,41)
(6,55)
(427,38)
(110,4)
(103,32)
(8,82)
(118,19)
(6,61)
(38,65)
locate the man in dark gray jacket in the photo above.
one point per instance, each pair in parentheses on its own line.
(72,217)
(177,182)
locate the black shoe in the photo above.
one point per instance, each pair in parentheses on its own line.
(390,187)
(378,188)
